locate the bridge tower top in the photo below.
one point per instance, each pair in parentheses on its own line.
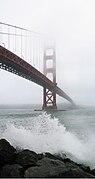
(49,97)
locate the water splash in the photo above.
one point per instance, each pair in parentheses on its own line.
(47,134)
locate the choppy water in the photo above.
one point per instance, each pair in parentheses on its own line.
(71,132)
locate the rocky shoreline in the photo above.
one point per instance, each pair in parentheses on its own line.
(28,164)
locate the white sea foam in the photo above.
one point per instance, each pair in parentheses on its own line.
(46,134)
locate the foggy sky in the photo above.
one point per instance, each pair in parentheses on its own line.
(72,24)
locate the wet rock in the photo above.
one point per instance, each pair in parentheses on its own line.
(7,153)
(61,157)
(55,156)
(26,163)
(71,165)
(84,168)
(40,156)
(49,155)
(79,173)
(26,158)
(12,171)
(93,172)
(67,160)
(47,168)
(77,170)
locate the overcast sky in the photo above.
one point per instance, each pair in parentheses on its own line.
(72,24)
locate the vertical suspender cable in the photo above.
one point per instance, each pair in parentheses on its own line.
(1,33)
(38,52)
(15,39)
(33,50)
(30,47)
(8,36)
(21,42)
(26,46)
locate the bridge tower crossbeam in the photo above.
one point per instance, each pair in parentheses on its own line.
(49,97)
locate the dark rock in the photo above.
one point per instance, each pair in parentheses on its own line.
(55,168)
(76,167)
(92,172)
(12,171)
(79,173)
(40,156)
(60,156)
(84,168)
(49,155)
(7,153)
(13,164)
(71,165)
(75,170)
(26,158)
(56,156)
(67,160)
(46,168)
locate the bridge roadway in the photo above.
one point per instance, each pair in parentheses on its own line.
(14,64)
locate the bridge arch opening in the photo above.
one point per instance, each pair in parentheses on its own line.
(50,76)
(49,63)
(49,52)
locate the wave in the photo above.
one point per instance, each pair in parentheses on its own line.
(47,134)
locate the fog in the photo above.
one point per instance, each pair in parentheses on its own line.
(71,24)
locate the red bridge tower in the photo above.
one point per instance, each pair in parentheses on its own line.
(49,97)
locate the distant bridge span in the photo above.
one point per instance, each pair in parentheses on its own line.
(14,64)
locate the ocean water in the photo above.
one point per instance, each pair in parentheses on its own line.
(71,132)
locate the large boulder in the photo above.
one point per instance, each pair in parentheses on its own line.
(93,172)
(12,171)
(51,168)
(7,153)
(26,158)
(46,168)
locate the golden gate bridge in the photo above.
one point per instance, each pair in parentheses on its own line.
(31,55)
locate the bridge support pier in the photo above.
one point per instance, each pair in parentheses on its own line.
(49,97)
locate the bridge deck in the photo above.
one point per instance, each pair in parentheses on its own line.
(14,64)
